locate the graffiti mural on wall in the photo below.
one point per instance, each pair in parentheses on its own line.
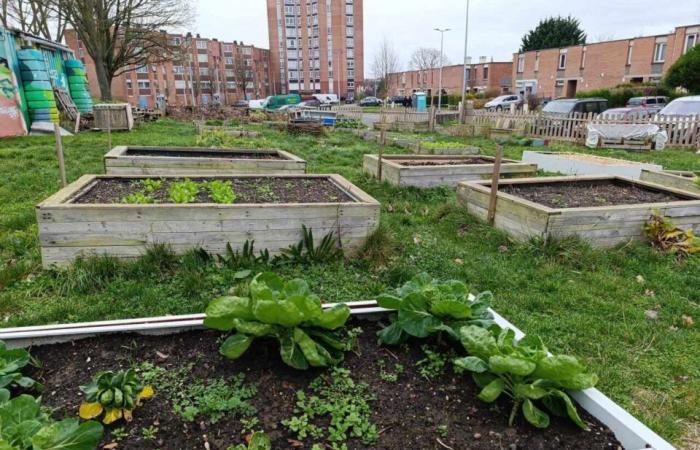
(11,118)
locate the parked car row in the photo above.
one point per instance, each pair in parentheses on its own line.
(637,107)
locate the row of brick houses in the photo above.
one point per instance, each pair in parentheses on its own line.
(561,72)
(484,76)
(208,72)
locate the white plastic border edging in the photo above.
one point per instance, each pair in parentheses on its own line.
(633,434)
(579,164)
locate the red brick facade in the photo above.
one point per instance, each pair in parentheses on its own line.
(317,45)
(556,73)
(210,72)
(493,76)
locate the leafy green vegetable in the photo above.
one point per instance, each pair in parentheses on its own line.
(258,441)
(115,394)
(524,371)
(150,185)
(426,306)
(24,427)
(288,312)
(221,191)
(11,364)
(138,198)
(184,191)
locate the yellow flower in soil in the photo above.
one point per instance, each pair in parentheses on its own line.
(90,410)
(112,416)
(146,393)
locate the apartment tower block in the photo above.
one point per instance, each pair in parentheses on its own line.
(317,45)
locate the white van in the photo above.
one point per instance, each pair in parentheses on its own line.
(258,104)
(327,99)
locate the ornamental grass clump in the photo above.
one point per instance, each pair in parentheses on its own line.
(525,372)
(286,311)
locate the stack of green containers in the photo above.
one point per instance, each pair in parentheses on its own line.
(37,87)
(77,80)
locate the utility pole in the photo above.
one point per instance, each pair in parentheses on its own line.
(442,32)
(466,59)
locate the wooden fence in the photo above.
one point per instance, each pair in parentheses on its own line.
(391,115)
(682,131)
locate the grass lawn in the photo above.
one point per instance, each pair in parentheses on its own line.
(588,303)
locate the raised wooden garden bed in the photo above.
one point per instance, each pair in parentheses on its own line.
(604,210)
(436,170)
(87,217)
(173,343)
(685,181)
(130,160)
(584,164)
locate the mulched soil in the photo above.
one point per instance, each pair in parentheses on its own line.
(248,191)
(583,194)
(442,162)
(409,413)
(202,154)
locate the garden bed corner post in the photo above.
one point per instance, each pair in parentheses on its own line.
(491,218)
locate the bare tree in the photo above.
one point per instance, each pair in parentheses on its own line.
(386,62)
(427,59)
(240,71)
(36,17)
(121,35)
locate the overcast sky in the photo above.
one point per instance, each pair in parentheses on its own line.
(495,30)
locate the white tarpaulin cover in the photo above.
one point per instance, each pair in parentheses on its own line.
(597,131)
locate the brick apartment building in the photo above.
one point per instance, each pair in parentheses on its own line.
(561,72)
(208,72)
(484,76)
(317,45)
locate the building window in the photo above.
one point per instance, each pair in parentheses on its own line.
(144,84)
(206,84)
(203,58)
(228,48)
(201,45)
(660,52)
(562,61)
(690,41)
(204,71)
(486,73)
(178,69)
(142,69)
(228,61)
(521,63)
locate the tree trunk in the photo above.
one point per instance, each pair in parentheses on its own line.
(104,80)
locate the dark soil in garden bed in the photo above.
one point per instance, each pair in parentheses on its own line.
(203,154)
(413,412)
(581,194)
(252,190)
(442,162)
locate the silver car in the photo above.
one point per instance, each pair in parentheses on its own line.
(504,102)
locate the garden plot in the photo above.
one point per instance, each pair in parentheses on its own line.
(604,210)
(583,164)
(131,160)
(685,181)
(122,215)
(434,170)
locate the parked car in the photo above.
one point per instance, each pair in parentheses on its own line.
(258,104)
(567,106)
(330,99)
(504,102)
(399,100)
(313,103)
(629,113)
(241,104)
(684,106)
(370,101)
(654,104)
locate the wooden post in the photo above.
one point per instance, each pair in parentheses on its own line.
(109,129)
(382,143)
(494,185)
(59,154)
(76,130)
(432,119)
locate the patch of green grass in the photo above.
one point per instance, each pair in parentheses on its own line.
(582,301)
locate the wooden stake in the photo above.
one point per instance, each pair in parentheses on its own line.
(494,185)
(382,143)
(59,154)
(109,130)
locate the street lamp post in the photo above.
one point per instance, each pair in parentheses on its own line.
(466,59)
(442,32)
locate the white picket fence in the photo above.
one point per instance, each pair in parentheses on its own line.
(682,131)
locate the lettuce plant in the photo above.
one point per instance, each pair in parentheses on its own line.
(221,191)
(524,371)
(23,426)
(11,364)
(114,394)
(426,306)
(288,312)
(184,191)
